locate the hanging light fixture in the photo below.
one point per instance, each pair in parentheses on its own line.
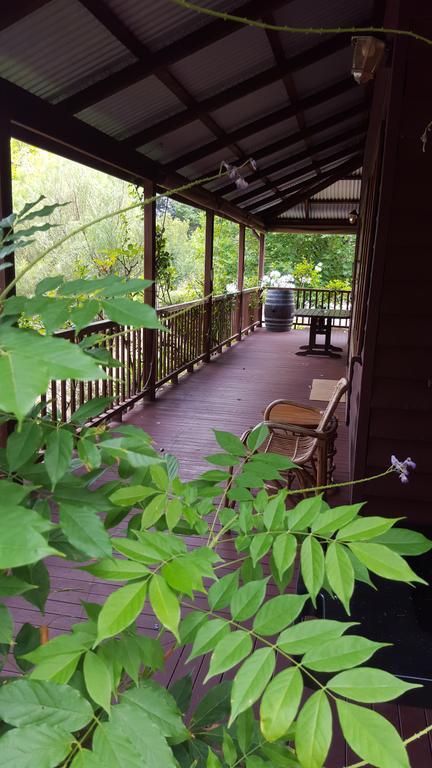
(367,56)
(353,216)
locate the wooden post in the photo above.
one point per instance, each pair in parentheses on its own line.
(208,283)
(150,336)
(240,278)
(8,274)
(261,260)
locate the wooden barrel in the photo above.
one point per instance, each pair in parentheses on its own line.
(279,309)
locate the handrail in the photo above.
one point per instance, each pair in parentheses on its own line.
(150,358)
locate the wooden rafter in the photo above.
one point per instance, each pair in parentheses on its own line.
(297,177)
(13,12)
(238,91)
(123,34)
(284,164)
(333,121)
(71,137)
(312,189)
(180,49)
(262,123)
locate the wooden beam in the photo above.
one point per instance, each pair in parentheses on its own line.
(208,282)
(6,206)
(11,13)
(180,49)
(312,189)
(294,138)
(150,335)
(47,125)
(240,277)
(238,91)
(268,121)
(281,165)
(299,226)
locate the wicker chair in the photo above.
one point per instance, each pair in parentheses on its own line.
(305,434)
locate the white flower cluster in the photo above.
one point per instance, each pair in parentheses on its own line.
(231,288)
(318,267)
(276,280)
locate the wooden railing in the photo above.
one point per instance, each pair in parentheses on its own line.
(197,329)
(324,298)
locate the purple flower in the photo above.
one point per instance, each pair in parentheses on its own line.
(402,468)
(235,175)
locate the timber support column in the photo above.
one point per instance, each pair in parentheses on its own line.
(8,274)
(240,278)
(208,284)
(150,335)
(261,260)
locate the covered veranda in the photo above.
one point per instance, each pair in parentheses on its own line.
(160,100)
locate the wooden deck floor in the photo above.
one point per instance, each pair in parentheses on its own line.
(229,393)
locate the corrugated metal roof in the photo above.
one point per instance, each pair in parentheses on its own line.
(59,49)
(345,189)
(161,23)
(225,63)
(132,109)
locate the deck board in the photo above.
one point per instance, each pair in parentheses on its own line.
(230,393)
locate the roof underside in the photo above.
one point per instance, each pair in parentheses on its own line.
(170,93)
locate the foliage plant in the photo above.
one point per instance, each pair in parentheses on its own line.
(213,559)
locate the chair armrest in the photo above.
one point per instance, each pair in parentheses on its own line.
(295,429)
(304,414)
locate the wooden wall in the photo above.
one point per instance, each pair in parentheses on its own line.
(391,400)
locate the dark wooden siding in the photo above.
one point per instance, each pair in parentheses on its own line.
(392,409)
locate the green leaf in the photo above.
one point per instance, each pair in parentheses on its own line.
(121,609)
(371,736)
(182,691)
(214,706)
(153,511)
(89,454)
(208,636)
(57,659)
(98,680)
(340,573)
(248,599)
(229,652)
(129,719)
(369,685)
(329,521)
(222,591)
(251,680)
(21,542)
(305,512)
(228,748)
(58,454)
(112,747)
(341,653)
(190,625)
(156,704)
(37,575)
(85,759)
(280,703)
(284,552)
(311,634)
(213,760)
(113,569)
(165,604)
(277,613)
(44,746)
(23,445)
(84,529)
(245,728)
(173,512)
(19,390)
(260,545)
(405,542)
(312,566)
(365,528)
(314,731)
(257,437)
(129,312)
(183,576)
(384,562)
(6,626)
(32,702)
(223,459)
(89,410)
(11,586)
(230,443)
(27,640)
